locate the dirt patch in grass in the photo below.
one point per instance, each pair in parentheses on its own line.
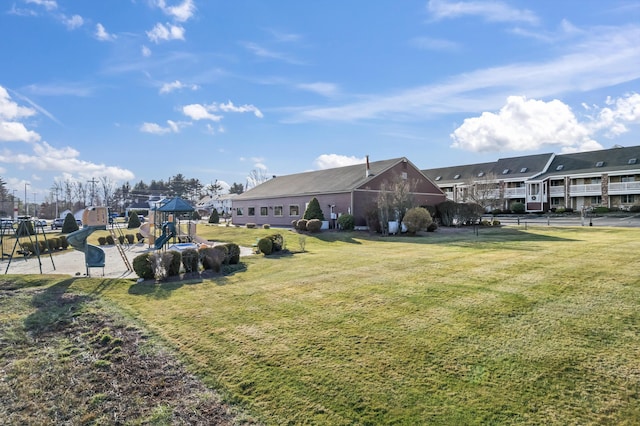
(65,359)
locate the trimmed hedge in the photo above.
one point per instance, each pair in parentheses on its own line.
(142,265)
(314,225)
(190,260)
(265,246)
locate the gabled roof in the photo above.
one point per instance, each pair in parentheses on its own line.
(177,205)
(619,159)
(504,169)
(327,181)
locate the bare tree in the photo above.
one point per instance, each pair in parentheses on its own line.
(484,191)
(395,199)
(256,177)
(107,189)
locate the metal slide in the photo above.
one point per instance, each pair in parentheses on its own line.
(94,256)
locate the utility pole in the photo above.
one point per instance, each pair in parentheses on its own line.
(93,182)
(26,202)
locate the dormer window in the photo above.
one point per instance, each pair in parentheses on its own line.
(600,164)
(480,174)
(456,177)
(633,161)
(523,170)
(438,178)
(505,171)
(560,167)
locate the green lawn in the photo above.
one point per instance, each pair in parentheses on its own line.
(509,326)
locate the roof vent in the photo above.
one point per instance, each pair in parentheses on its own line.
(480,174)
(456,177)
(560,167)
(438,177)
(600,164)
(633,160)
(505,171)
(524,169)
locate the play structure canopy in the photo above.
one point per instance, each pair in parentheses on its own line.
(177,205)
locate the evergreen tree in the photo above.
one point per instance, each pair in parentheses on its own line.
(313,210)
(236,188)
(134,220)
(215,217)
(69,225)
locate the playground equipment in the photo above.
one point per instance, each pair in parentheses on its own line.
(166,218)
(26,229)
(94,218)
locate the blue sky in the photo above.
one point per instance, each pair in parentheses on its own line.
(134,90)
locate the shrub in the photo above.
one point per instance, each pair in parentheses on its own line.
(277,242)
(42,246)
(121,239)
(294,222)
(372,218)
(190,260)
(495,222)
(139,236)
(27,247)
(635,208)
(161,265)
(346,222)
(233,253)
(25,228)
(63,242)
(134,221)
(214,217)
(54,243)
(174,263)
(265,246)
(69,225)
(432,227)
(314,225)
(102,240)
(313,210)
(250,225)
(224,252)
(301,225)
(195,215)
(447,212)
(130,238)
(211,258)
(416,219)
(142,266)
(601,210)
(266,226)
(110,240)
(517,207)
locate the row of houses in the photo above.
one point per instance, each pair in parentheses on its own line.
(541,182)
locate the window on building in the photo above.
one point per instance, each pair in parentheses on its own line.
(239,211)
(277,210)
(560,167)
(404,175)
(596,200)
(633,160)
(600,164)
(627,178)
(480,174)
(294,210)
(627,199)
(264,211)
(556,182)
(456,177)
(251,211)
(506,171)
(438,178)
(557,201)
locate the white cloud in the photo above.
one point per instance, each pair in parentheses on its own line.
(330,161)
(176,85)
(146,52)
(492,11)
(47,158)
(181,13)
(614,119)
(201,112)
(9,110)
(321,88)
(47,4)
(522,125)
(265,53)
(230,107)
(156,129)
(12,130)
(73,22)
(102,34)
(604,57)
(164,33)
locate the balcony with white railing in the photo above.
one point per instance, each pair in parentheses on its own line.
(591,189)
(514,192)
(624,188)
(556,191)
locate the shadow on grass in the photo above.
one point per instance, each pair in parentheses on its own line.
(163,289)
(55,308)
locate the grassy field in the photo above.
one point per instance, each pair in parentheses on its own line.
(508,326)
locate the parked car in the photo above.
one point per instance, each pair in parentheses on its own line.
(40,223)
(6,223)
(57,223)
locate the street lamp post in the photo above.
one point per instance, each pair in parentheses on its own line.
(26,202)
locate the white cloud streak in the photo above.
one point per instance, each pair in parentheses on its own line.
(491,11)
(161,32)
